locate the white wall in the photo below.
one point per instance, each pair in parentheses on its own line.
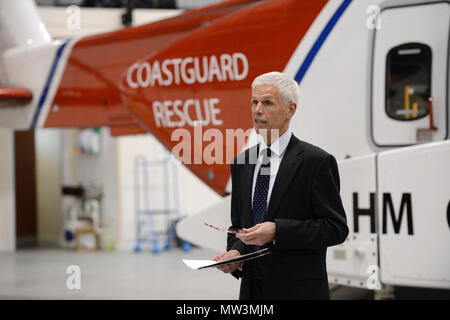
(48,186)
(192,4)
(60,22)
(7,197)
(101,170)
(68,178)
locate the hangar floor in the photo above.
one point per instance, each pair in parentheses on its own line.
(42,274)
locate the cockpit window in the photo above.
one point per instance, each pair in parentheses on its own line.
(408,81)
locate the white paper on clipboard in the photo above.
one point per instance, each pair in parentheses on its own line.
(203,264)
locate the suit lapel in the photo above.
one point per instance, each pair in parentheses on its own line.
(292,160)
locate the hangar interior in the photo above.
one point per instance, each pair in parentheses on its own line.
(75,197)
(73,192)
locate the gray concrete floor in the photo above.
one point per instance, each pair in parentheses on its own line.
(41,274)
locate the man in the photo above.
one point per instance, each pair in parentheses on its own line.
(288,201)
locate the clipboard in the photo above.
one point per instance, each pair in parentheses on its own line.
(203,264)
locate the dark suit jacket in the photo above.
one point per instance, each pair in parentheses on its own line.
(307,209)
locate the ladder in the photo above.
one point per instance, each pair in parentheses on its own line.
(147,226)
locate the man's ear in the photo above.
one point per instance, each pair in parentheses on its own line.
(292,107)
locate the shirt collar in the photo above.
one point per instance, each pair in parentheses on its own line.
(279,146)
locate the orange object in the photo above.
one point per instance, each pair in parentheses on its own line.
(430,112)
(15,94)
(197,66)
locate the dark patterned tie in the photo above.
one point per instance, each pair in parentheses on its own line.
(261,188)
(260,202)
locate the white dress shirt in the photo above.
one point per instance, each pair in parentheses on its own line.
(277,148)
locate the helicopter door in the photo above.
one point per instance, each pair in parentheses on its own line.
(410,75)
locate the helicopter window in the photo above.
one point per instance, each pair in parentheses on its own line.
(408,81)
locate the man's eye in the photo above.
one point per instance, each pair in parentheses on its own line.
(268,103)
(255,102)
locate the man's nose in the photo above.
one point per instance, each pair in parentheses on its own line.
(259,108)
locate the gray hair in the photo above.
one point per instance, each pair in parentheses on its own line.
(287,87)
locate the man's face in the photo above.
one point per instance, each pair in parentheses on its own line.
(269,111)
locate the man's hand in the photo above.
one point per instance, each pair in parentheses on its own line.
(228,268)
(259,234)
